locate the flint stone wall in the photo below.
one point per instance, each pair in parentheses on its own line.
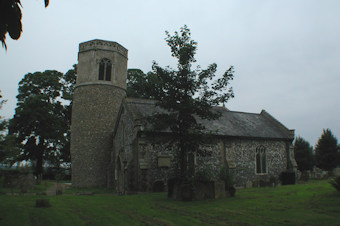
(149,150)
(243,151)
(124,152)
(94,113)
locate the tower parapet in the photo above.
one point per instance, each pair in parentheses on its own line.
(103,45)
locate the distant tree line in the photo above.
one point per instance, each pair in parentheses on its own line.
(325,156)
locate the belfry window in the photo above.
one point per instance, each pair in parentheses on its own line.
(105,68)
(260,160)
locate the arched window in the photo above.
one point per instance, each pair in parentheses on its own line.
(105,68)
(260,160)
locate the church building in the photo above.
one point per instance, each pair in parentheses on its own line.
(114,146)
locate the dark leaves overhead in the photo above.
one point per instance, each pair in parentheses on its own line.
(10,19)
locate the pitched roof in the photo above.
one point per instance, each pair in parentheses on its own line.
(231,123)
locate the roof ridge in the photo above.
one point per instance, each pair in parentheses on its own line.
(243,112)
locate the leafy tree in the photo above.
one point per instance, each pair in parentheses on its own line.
(136,83)
(39,121)
(185,93)
(139,84)
(3,127)
(68,82)
(10,19)
(303,154)
(1,102)
(326,151)
(9,148)
(335,182)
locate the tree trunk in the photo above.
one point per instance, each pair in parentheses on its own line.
(39,166)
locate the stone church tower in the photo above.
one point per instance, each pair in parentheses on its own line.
(100,90)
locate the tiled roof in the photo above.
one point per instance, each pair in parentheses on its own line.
(231,123)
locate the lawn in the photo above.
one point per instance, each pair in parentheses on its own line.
(313,203)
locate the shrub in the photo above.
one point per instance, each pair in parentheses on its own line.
(287,178)
(335,182)
(204,172)
(226,176)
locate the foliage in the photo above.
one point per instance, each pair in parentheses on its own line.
(10,19)
(204,172)
(140,84)
(287,178)
(68,82)
(41,121)
(303,152)
(9,149)
(313,203)
(8,146)
(326,151)
(3,127)
(18,178)
(1,102)
(335,182)
(186,94)
(228,178)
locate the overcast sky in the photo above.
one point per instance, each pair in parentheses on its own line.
(286,53)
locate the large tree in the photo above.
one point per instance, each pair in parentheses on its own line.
(303,154)
(185,94)
(40,121)
(140,84)
(3,126)
(326,151)
(10,19)
(9,148)
(68,82)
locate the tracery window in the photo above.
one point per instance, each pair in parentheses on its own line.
(260,160)
(105,68)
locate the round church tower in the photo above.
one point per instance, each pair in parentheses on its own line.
(100,90)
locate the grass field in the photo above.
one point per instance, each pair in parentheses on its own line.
(313,203)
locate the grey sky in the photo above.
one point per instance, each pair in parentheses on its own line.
(286,54)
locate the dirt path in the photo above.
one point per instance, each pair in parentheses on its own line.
(54,188)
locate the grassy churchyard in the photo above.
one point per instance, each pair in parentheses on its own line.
(312,203)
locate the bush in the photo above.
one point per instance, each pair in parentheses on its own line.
(228,179)
(204,173)
(335,182)
(18,179)
(287,178)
